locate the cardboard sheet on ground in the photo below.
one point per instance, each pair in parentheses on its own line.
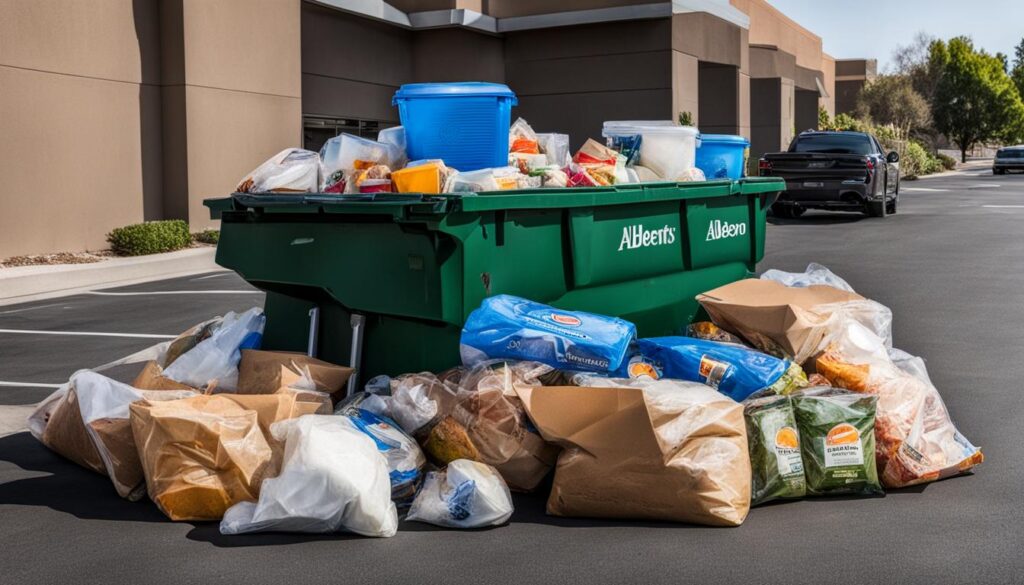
(669,451)
(201,455)
(773,317)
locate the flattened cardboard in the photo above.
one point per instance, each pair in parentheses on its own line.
(663,453)
(773,317)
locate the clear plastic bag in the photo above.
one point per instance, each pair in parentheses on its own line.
(471,182)
(332,479)
(293,170)
(917,440)
(395,137)
(215,359)
(343,155)
(815,274)
(555,147)
(467,494)
(522,138)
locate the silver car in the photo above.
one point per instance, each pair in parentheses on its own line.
(1010,158)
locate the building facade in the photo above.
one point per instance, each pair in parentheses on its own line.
(119,111)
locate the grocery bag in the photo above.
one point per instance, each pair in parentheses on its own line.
(267,372)
(215,359)
(466,494)
(659,450)
(332,479)
(775,459)
(293,170)
(403,454)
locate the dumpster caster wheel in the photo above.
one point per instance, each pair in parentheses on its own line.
(787,211)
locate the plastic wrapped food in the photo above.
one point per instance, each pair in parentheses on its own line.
(555,178)
(403,454)
(395,138)
(814,274)
(203,454)
(466,494)
(510,327)
(215,359)
(522,138)
(837,441)
(733,370)
(711,332)
(776,465)
(594,153)
(917,440)
(293,170)
(332,479)
(662,450)
(555,147)
(479,181)
(342,156)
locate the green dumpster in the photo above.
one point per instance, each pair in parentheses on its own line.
(415,266)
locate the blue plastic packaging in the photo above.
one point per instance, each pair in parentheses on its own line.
(733,370)
(403,454)
(464,124)
(721,156)
(507,327)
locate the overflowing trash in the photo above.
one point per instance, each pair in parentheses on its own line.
(776,460)
(467,494)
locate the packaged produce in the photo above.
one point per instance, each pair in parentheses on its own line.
(332,479)
(214,360)
(660,450)
(774,318)
(343,156)
(711,332)
(555,147)
(421,178)
(917,440)
(267,372)
(203,454)
(815,274)
(594,153)
(375,179)
(526,163)
(292,170)
(479,181)
(522,138)
(733,370)
(577,176)
(776,465)
(837,441)
(474,414)
(466,494)
(514,328)
(403,454)
(554,178)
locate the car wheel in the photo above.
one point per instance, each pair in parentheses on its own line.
(876,209)
(998,172)
(787,211)
(890,208)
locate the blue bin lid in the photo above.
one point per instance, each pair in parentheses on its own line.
(724,139)
(458,89)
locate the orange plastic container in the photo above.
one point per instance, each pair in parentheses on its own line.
(425,178)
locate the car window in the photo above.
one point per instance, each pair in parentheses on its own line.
(1010,154)
(833,144)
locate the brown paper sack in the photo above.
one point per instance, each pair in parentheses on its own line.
(267,372)
(671,451)
(152,378)
(204,454)
(773,317)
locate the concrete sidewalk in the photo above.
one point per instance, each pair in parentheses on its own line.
(12,418)
(30,283)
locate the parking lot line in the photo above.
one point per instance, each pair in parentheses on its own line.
(1004,206)
(29,384)
(174,292)
(218,275)
(87,333)
(31,308)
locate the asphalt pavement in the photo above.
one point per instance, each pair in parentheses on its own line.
(948,264)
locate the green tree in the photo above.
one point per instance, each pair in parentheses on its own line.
(974,100)
(1017,73)
(891,99)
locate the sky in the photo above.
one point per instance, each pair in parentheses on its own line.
(848,31)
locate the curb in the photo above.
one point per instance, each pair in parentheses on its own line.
(32,283)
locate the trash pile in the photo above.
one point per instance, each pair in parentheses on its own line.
(632,152)
(793,390)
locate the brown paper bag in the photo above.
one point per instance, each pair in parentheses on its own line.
(152,378)
(773,317)
(266,372)
(204,454)
(670,451)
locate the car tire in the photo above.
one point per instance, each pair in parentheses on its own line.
(890,208)
(876,209)
(999,172)
(787,211)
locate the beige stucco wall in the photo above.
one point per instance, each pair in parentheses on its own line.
(828,70)
(769,26)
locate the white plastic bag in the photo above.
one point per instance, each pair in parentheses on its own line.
(478,181)
(395,136)
(347,153)
(216,358)
(403,454)
(465,495)
(332,479)
(555,147)
(815,274)
(293,170)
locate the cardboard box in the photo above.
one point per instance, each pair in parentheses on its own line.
(266,372)
(670,451)
(773,317)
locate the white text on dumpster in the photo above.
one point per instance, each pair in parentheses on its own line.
(635,236)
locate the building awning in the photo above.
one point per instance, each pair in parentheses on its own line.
(821,87)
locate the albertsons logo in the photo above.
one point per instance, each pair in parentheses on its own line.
(635,236)
(719,230)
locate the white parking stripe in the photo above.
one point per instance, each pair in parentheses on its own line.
(1004,206)
(174,292)
(30,384)
(218,275)
(30,308)
(925,189)
(87,333)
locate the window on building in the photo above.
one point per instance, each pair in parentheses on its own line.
(316,130)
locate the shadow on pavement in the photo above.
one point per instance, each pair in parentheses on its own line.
(67,487)
(836,218)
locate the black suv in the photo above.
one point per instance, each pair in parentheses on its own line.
(839,171)
(1010,158)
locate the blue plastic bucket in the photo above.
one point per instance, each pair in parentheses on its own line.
(721,156)
(464,124)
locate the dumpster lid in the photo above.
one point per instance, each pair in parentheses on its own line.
(460,89)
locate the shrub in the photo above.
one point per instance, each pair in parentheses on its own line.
(207,236)
(151,237)
(948,163)
(914,161)
(685,119)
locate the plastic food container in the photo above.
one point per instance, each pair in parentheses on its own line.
(425,178)
(465,124)
(722,156)
(659,145)
(375,186)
